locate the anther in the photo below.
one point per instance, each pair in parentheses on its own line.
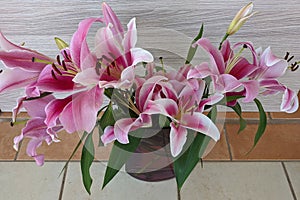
(55,69)
(58,59)
(33,59)
(294,68)
(1,71)
(66,55)
(11,124)
(64,65)
(245,46)
(286,55)
(53,75)
(290,58)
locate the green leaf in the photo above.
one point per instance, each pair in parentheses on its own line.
(107,119)
(193,50)
(119,155)
(238,110)
(186,162)
(87,158)
(60,43)
(262,122)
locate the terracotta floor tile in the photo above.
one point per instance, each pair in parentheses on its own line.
(7,134)
(62,150)
(280,142)
(217,150)
(246,115)
(9,114)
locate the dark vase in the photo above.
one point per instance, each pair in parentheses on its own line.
(152,160)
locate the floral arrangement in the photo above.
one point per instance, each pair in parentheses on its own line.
(159,98)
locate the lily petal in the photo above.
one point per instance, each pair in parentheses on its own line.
(216,57)
(16,78)
(200,123)
(290,101)
(177,139)
(79,39)
(108,135)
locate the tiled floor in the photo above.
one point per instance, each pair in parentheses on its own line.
(270,171)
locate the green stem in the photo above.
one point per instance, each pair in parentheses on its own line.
(224,38)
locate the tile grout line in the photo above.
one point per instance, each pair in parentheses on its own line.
(227,142)
(63,184)
(289,180)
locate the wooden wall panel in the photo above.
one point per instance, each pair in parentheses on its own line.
(165,27)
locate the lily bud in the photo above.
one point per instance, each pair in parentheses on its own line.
(240,18)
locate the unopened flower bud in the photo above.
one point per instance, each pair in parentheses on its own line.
(240,18)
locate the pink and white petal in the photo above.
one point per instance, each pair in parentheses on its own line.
(36,108)
(48,83)
(111,18)
(106,45)
(213,99)
(6,45)
(251,89)
(226,51)
(225,83)
(200,123)
(54,109)
(130,37)
(178,137)
(79,37)
(108,135)
(85,107)
(275,67)
(139,55)
(32,145)
(87,58)
(290,101)
(16,78)
(167,107)
(216,58)
(16,110)
(145,93)
(23,59)
(127,77)
(87,77)
(122,128)
(200,71)
(32,91)
(255,53)
(242,69)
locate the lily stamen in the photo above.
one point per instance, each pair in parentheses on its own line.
(56,69)
(37,60)
(53,75)
(58,59)
(290,58)
(64,65)
(287,55)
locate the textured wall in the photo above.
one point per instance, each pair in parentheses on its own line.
(166,27)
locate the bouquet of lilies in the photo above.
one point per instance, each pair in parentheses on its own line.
(184,100)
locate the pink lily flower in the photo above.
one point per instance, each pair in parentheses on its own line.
(36,129)
(227,70)
(116,53)
(185,113)
(21,71)
(270,69)
(154,88)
